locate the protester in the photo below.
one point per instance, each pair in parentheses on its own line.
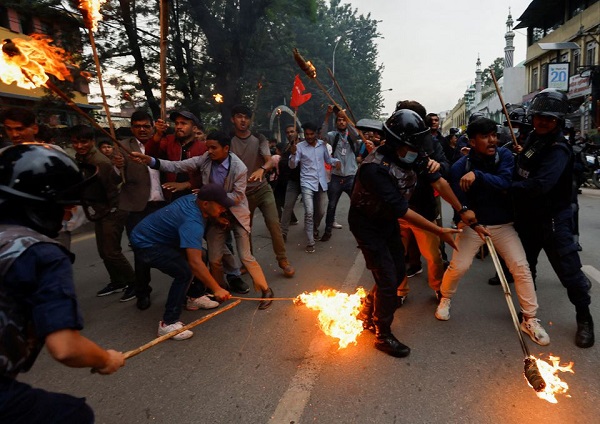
(481,180)
(39,305)
(170,240)
(141,194)
(542,190)
(19,125)
(102,207)
(345,146)
(182,145)
(254,151)
(220,167)
(106,148)
(310,156)
(289,182)
(432,164)
(383,184)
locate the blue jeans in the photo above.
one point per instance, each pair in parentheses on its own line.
(337,186)
(314,209)
(172,262)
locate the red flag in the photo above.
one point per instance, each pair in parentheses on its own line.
(297,97)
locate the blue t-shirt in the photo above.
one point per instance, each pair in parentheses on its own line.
(179,224)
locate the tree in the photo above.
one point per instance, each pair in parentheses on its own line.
(498,67)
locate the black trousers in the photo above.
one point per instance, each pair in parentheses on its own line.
(381,246)
(555,237)
(21,403)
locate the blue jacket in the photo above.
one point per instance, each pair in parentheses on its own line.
(488,196)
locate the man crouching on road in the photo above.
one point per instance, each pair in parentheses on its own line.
(162,237)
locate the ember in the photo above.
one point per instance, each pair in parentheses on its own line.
(26,62)
(554,385)
(337,313)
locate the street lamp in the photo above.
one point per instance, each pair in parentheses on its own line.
(337,41)
(387,89)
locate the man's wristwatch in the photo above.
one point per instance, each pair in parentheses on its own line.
(463,209)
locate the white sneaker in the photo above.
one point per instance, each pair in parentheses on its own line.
(534,329)
(203,302)
(443,310)
(165,329)
(337,226)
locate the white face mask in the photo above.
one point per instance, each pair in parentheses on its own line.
(515,130)
(410,157)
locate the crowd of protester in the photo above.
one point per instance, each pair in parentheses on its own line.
(186,200)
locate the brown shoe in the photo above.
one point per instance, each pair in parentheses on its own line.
(267,294)
(288,270)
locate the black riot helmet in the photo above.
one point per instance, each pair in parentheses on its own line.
(36,182)
(474,116)
(550,102)
(405,127)
(518,116)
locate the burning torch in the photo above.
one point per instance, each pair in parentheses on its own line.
(30,70)
(311,72)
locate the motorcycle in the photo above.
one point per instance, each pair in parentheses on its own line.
(588,156)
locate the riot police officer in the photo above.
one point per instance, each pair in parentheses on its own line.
(542,190)
(37,296)
(383,185)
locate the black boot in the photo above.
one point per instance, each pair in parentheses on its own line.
(585,331)
(386,342)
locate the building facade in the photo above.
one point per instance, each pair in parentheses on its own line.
(63,28)
(563,52)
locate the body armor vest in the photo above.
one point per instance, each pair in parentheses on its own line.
(19,345)
(370,204)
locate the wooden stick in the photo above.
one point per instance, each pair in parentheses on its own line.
(507,295)
(339,89)
(164,32)
(51,86)
(167,336)
(260,299)
(100,83)
(514,138)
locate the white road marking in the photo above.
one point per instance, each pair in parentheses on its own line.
(292,403)
(83,237)
(591,272)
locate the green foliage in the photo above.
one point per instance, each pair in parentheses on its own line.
(235,47)
(498,67)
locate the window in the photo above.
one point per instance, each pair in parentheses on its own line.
(27,26)
(564,58)
(47,28)
(4,17)
(534,79)
(575,62)
(544,76)
(590,53)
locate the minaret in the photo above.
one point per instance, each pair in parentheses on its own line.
(478,73)
(509,37)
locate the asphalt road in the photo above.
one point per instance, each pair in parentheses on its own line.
(250,366)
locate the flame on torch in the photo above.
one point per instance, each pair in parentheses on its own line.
(90,9)
(554,385)
(337,312)
(27,62)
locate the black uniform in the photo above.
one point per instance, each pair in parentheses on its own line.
(542,190)
(382,188)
